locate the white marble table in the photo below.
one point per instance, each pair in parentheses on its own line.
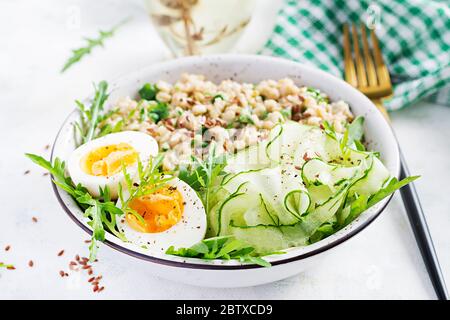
(381,262)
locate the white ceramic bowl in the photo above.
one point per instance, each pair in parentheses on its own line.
(243,68)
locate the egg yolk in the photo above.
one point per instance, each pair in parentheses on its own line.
(108,160)
(161,210)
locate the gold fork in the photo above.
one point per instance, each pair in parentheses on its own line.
(371,77)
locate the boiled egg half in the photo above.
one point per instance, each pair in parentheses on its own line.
(173,215)
(99,163)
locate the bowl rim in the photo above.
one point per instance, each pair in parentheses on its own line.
(184,264)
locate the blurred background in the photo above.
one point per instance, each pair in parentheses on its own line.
(36,40)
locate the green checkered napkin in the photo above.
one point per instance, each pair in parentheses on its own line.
(414,37)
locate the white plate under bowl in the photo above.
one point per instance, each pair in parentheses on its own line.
(242,68)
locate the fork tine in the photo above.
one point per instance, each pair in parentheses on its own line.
(349,66)
(360,69)
(382,71)
(370,68)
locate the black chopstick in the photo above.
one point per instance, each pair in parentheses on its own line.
(422,233)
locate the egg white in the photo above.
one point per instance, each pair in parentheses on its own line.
(188,231)
(142,143)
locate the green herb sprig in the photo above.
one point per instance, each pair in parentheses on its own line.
(7,266)
(148,91)
(158,112)
(101,212)
(204,175)
(318,95)
(87,128)
(79,53)
(225,247)
(150,180)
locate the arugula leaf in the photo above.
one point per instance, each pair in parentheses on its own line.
(204,176)
(322,232)
(392,186)
(101,212)
(107,129)
(361,203)
(148,91)
(96,107)
(151,179)
(90,118)
(79,53)
(256,260)
(352,135)
(224,247)
(359,145)
(329,130)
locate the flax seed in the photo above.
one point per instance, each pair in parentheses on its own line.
(30,263)
(62,273)
(60,253)
(95,289)
(91,279)
(34,219)
(26,172)
(11,268)
(7,247)
(101,289)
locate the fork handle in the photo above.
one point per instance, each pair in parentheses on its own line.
(418,223)
(421,232)
(379,104)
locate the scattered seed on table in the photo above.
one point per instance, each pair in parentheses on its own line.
(7,247)
(101,289)
(60,253)
(34,219)
(87,241)
(45,174)
(11,268)
(91,279)
(62,273)
(26,172)
(30,263)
